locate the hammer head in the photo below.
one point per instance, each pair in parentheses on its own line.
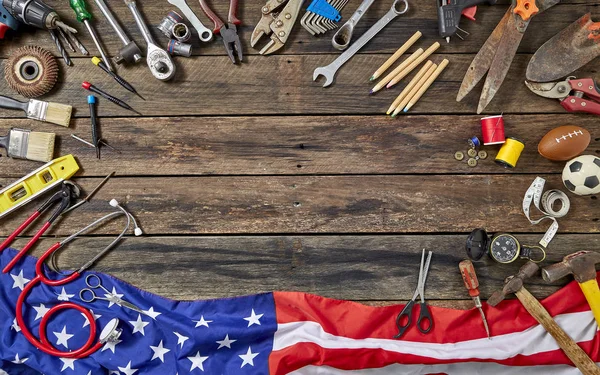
(515,282)
(581,264)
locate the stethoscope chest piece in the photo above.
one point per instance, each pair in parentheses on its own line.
(111,332)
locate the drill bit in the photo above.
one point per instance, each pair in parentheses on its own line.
(117,101)
(65,40)
(60,47)
(120,80)
(74,40)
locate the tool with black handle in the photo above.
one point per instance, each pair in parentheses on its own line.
(449,13)
(467,270)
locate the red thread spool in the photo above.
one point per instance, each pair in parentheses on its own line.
(492,130)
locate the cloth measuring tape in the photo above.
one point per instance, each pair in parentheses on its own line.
(544,202)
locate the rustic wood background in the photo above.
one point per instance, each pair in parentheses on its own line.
(254,178)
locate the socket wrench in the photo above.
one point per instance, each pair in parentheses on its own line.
(330,70)
(341,39)
(130,52)
(204,32)
(158,59)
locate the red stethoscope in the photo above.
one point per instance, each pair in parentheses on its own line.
(68,192)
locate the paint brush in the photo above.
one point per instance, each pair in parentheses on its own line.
(55,113)
(30,145)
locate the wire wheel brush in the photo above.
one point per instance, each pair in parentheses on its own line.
(31,71)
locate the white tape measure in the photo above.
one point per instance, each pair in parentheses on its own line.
(544,202)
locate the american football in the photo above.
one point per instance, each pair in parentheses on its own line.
(564,143)
(582,175)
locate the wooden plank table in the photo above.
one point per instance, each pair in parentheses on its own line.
(253,178)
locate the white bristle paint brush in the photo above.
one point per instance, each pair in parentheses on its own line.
(55,113)
(30,145)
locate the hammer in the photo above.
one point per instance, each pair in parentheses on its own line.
(514,284)
(582,265)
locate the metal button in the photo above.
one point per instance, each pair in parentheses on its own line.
(472,152)
(459,155)
(472,162)
(482,154)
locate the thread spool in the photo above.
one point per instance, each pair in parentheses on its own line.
(492,130)
(474,142)
(510,152)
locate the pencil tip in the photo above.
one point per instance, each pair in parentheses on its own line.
(371,92)
(393,115)
(372,78)
(405,110)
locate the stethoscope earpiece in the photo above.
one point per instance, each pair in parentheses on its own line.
(137,231)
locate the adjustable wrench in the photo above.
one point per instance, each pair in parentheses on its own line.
(330,70)
(204,32)
(158,59)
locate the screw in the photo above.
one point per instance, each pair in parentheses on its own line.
(281,33)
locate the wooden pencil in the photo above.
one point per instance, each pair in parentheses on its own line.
(427,84)
(396,56)
(400,67)
(414,90)
(414,64)
(410,86)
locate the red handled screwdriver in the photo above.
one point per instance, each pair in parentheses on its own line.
(467,270)
(117,101)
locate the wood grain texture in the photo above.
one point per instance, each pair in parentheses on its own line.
(329,204)
(324,145)
(362,268)
(282,85)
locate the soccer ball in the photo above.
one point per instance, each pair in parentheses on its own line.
(582,175)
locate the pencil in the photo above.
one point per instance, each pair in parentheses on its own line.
(410,86)
(415,63)
(414,90)
(400,68)
(396,56)
(424,88)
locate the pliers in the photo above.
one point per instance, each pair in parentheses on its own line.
(67,194)
(228,31)
(276,22)
(571,93)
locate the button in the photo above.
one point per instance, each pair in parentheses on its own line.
(472,162)
(482,154)
(472,152)
(459,155)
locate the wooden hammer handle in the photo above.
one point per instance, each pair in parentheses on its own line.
(566,343)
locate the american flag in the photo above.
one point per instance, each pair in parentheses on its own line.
(282,333)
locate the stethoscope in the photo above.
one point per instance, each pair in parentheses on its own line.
(111,331)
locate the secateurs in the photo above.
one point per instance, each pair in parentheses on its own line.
(276,22)
(228,31)
(498,52)
(571,94)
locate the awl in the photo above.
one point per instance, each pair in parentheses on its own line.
(467,270)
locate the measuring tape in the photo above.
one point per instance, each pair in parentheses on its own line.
(544,202)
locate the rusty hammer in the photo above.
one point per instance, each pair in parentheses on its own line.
(582,265)
(514,284)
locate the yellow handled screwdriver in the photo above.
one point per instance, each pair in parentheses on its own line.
(467,270)
(84,16)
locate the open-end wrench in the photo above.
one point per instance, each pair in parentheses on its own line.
(330,70)
(204,32)
(341,39)
(158,59)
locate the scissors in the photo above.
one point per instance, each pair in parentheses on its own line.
(425,319)
(94,282)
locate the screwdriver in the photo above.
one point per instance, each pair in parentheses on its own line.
(120,80)
(94,119)
(84,16)
(117,101)
(467,270)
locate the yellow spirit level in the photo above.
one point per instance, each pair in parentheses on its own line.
(36,183)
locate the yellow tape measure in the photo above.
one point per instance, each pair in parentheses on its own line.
(36,183)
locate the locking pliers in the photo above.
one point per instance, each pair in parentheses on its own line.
(276,23)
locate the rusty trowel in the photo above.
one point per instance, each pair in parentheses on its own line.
(566,52)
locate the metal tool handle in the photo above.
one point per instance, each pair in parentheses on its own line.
(204,32)
(140,22)
(424,319)
(210,14)
(405,313)
(86,291)
(113,21)
(341,39)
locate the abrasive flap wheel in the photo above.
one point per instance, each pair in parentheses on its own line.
(31,71)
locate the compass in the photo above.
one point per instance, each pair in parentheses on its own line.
(503,248)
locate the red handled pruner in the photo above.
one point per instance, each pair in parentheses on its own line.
(576,95)
(228,31)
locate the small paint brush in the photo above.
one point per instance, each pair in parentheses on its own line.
(30,145)
(55,113)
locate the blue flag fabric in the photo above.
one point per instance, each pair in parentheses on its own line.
(223,336)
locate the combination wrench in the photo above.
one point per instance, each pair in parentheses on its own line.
(158,59)
(341,39)
(204,32)
(330,70)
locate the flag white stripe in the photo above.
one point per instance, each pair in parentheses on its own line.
(467,368)
(580,326)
